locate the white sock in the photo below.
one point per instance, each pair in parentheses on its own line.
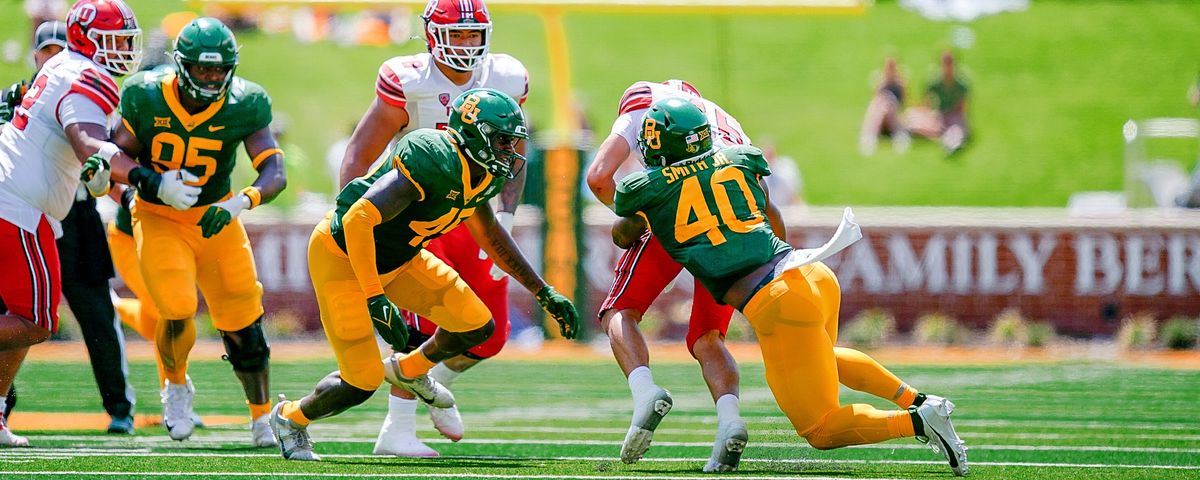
(727,409)
(3,404)
(641,384)
(443,374)
(401,416)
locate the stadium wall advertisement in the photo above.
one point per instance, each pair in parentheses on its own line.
(1082,275)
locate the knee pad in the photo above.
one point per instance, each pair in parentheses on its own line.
(247,349)
(481,334)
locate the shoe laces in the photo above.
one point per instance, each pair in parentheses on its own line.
(177,405)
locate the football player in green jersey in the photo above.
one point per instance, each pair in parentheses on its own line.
(184,127)
(706,207)
(367,260)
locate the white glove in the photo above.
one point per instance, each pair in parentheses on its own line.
(505,220)
(174,190)
(221,214)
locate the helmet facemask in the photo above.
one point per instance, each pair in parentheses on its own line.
(118,51)
(495,149)
(463,58)
(202,89)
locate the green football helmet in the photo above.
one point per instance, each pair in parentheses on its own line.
(487,125)
(674,131)
(205,42)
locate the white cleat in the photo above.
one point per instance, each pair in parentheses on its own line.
(293,440)
(260,432)
(10,439)
(645,419)
(397,444)
(427,389)
(447,421)
(177,409)
(727,449)
(939,432)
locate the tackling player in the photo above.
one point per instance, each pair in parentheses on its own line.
(367,258)
(415,92)
(703,205)
(645,270)
(185,126)
(58,125)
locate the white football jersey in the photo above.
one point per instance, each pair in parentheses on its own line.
(38,169)
(637,99)
(415,84)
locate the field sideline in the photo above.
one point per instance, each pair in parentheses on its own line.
(566,419)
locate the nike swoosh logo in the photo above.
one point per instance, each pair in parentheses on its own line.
(213,128)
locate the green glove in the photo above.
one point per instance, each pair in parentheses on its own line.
(563,311)
(385,316)
(220,214)
(95,174)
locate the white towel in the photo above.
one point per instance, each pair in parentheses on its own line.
(847,233)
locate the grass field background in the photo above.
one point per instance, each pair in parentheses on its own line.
(1051,88)
(566,419)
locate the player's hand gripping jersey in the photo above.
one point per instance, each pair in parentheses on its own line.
(204,144)
(439,171)
(718,234)
(413,83)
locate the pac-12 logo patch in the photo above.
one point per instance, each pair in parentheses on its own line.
(445,99)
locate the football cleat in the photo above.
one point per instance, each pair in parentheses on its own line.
(260,432)
(727,449)
(646,418)
(427,389)
(10,439)
(177,409)
(447,421)
(395,442)
(121,425)
(293,440)
(939,433)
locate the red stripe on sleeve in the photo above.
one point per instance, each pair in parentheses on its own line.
(636,97)
(95,96)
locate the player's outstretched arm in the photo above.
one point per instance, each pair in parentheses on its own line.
(102,159)
(267,158)
(499,245)
(609,157)
(370,137)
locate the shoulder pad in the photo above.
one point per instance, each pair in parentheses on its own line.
(509,76)
(394,74)
(749,157)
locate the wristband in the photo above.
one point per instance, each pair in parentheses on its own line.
(254,195)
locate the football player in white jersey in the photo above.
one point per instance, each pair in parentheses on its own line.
(414,92)
(59,125)
(645,270)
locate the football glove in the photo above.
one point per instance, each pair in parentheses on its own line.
(220,214)
(95,175)
(168,187)
(390,326)
(561,308)
(505,220)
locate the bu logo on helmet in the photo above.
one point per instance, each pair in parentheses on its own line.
(470,109)
(651,134)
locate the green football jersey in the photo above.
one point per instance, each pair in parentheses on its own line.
(707,213)
(439,170)
(203,143)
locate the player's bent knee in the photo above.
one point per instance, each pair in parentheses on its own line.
(711,338)
(365,377)
(247,349)
(479,335)
(821,442)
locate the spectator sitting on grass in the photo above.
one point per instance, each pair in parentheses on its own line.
(883,113)
(944,117)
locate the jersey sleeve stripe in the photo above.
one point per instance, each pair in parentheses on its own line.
(635,99)
(524,94)
(261,157)
(404,171)
(95,96)
(104,84)
(389,88)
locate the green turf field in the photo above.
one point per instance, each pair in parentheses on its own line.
(553,420)
(1051,88)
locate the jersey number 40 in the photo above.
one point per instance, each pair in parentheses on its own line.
(692,204)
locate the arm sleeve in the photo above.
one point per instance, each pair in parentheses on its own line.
(74,108)
(358,225)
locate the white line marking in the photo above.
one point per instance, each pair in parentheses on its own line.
(390,475)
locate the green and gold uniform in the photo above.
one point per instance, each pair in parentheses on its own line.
(172,253)
(411,277)
(708,214)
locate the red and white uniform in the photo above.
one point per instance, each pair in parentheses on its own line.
(645,269)
(416,85)
(39,173)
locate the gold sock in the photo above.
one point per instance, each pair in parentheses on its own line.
(258,409)
(291,411)
(415,364)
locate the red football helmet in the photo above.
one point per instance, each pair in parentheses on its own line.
(444,16)
(106,32)
(683,86)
